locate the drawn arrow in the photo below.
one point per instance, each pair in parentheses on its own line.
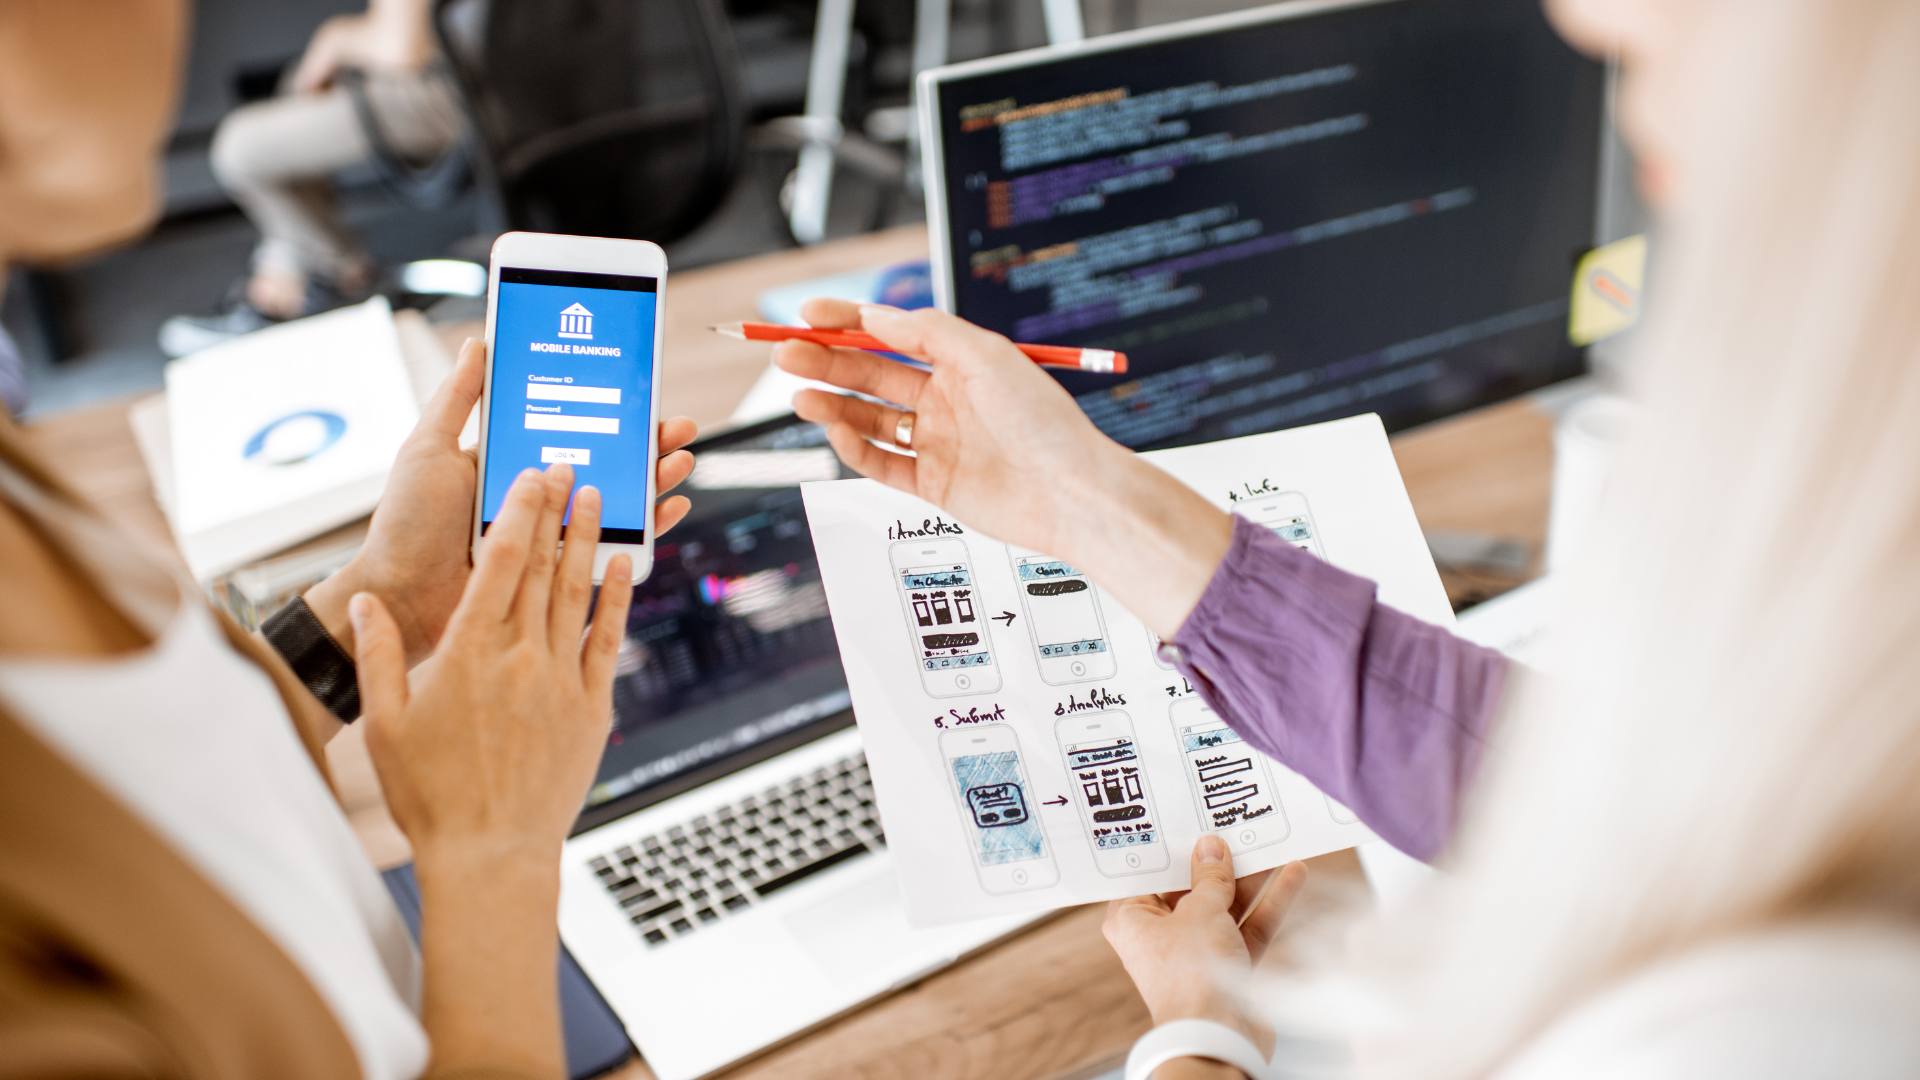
(1057,800)
(1007,615)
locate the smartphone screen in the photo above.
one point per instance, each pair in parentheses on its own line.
(572,381)
(998,807)
(946,620)
(1066,619)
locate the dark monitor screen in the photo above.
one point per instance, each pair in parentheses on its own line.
(1279,218)
(729,654)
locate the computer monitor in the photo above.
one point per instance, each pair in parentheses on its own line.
(1283,215)
(729,657)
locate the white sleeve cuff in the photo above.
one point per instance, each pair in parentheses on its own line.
(1207,1039)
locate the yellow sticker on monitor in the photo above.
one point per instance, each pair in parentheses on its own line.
(1607,291)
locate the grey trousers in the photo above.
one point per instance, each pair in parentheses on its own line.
(277,158)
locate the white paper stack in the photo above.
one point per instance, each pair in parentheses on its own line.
(283,434)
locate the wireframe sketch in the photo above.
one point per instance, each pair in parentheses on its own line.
(1232,783)
(1063,619)
(946,621)
(1110,787)
(1289,518)
(1007,841)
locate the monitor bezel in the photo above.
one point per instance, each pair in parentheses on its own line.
(933,144)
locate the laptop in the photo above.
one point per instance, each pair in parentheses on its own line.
(727,885)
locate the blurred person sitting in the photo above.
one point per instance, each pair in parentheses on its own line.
(277,159)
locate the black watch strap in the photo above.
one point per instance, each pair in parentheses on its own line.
(296,634)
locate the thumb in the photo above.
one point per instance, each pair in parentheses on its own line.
(1212,888)
(380,658)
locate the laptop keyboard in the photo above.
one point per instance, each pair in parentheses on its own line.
(700,872)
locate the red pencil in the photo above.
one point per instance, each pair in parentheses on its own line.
(1097,361)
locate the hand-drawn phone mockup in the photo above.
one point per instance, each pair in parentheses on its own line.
(1341,815)
(945,620)
(1288,516)
(1232,782)
(997,807)
(1063,618)
(1108,783)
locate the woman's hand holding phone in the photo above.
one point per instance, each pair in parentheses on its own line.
(999,444)
(416,556)
(485,758)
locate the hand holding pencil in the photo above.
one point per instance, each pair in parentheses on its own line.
(1068,357)
(982,432)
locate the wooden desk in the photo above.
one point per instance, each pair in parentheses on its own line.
(1052,1001)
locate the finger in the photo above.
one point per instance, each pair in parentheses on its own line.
(1260,924)
(379,657)
(543,554)
(676,433)
(932,335)
(827,313)
(871,420)
(1212,888)
(897,471)
(853,369)
(503,552)
(447,413)
(670,512)
(573,583)
(609,625)
(829,410)
(673,470)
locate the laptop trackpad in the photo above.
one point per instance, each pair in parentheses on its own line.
(861,931)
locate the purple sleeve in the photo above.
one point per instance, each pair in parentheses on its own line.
(1379,710)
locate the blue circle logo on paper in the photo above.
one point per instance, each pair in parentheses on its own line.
(295,437)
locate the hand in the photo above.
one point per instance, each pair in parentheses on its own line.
(987,420)
(489,753)
(416,556)
(1002,446)
(361,41)
(1177,947)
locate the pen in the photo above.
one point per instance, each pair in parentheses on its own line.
(1098,361)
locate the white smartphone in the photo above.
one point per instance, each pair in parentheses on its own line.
(1116,805)
(573,375)
(997,809)
(1063,618)
(945,621)
(1232,782)
(1288,516)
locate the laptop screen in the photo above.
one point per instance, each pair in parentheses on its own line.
(729,655)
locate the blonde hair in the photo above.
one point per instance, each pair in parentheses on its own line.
(1740,745)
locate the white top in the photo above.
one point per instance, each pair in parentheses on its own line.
(1809,1000)
(196,741)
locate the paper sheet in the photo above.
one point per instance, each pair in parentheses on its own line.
(1028,748)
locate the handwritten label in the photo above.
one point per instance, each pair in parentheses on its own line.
(953,717)
(1251,491)
(1185,689)
(933,526)
(1097,698)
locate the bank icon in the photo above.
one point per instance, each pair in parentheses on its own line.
(576,322)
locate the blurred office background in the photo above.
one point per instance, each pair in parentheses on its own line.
(88,328)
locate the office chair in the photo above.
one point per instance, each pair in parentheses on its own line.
(604,117)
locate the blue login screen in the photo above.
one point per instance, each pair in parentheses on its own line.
(572,382)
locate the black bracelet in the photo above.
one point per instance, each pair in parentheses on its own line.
(296,634)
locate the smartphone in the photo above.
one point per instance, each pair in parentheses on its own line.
(573,375)
(1288,516)
(1063,618)
(1231,781)
(945,621)
(997,807)
(1116,806)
